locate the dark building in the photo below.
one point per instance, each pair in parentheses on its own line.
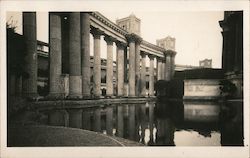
(232,53)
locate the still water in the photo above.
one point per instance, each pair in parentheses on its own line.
(170,123)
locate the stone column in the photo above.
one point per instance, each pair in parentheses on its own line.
(120,68)
(172,64)
(137,66)
(168,67)
(75,77)
(131,40)
(85,52)
(30,67)
(151,76)
(97,63)
(109,67)
(55,56)
(125,87)
(143,75)
(159,69)
(163,70)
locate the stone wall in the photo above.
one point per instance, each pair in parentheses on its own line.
(201,89)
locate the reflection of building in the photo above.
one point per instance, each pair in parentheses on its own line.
(206,63)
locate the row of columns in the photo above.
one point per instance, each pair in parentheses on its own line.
(79,60)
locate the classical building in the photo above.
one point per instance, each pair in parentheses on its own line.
(70,63)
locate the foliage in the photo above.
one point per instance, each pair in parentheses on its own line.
(227,88)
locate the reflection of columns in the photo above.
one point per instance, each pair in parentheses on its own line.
(86,119)
(97,63)
(151,120)
(143,122)
(163,70)
(30,67)
(168,67)
(85,51)
(131,66)
(120,123)
(75,118)
(55,55)
(58,118)
(109,120)
(12,83)
(109,69)
(75,85)
(143,74)
(137,67)
(165,132)
(151,76)
(131,122)
(18,84)
(120,68)
(159,69)
(97,120)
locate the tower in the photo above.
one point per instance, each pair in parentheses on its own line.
(168,43)
(132,24)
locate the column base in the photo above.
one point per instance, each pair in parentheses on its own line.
(55,96)
(132,96)
(152,96)
(86,97)
(31,96)
(110,96)
(74,97)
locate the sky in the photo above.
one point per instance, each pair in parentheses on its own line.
(198,34)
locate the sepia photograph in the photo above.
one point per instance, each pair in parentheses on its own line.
(149,80)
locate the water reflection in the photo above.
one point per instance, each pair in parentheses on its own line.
(170,123)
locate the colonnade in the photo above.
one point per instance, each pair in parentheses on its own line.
(79,59)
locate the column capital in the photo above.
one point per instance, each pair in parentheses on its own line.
(120,44)
(143,54)
(96,32)
(151,57)
(170,53)
(133,38)
(159,59)
(109,40)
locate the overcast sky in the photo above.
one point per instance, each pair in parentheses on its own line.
(198,34)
